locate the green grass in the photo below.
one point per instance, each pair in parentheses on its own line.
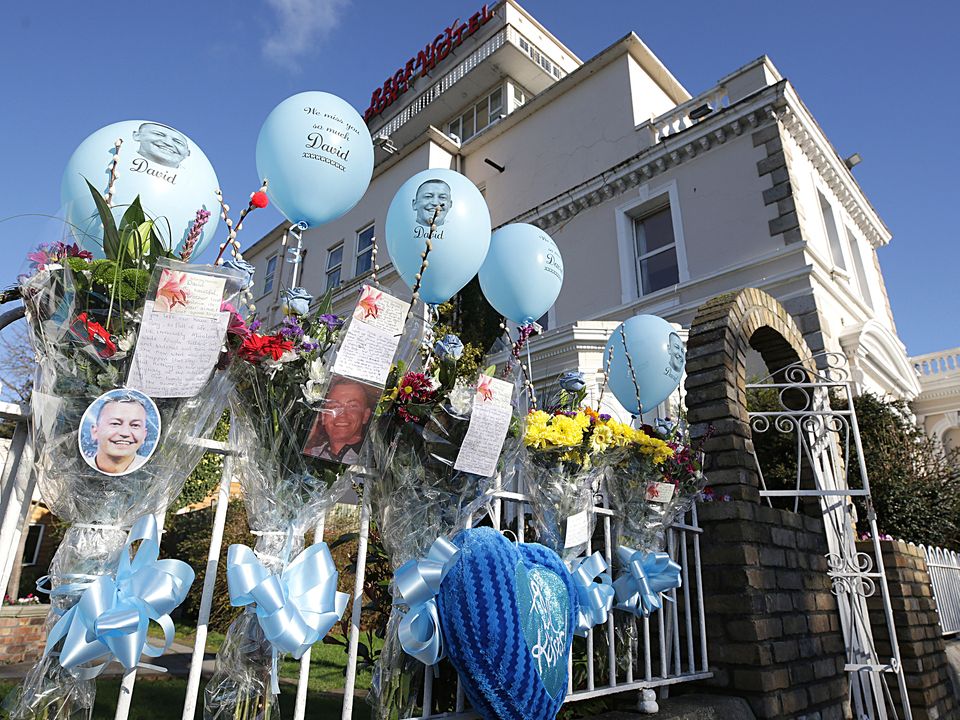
(162,699)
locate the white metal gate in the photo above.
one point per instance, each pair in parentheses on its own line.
(824,438)
(667,648)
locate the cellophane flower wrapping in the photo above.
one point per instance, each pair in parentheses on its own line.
(84,316)
(417,495)
(279,382)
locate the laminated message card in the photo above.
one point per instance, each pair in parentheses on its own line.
(366,351)
(489,422)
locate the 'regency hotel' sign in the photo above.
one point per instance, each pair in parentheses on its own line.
(426,60)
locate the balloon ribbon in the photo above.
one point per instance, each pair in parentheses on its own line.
(596,598)
(647,575)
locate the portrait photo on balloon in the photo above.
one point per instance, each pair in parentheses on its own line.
(340,426)
(119,432)
(161,144)
(432,202)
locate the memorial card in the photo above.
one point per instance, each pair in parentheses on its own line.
(489,422)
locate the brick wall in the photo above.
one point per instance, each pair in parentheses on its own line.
(773,629)
(922,648)
(21,632)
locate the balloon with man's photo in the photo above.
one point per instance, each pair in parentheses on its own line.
(316,154)
(644,357)
(165,168)
(460,237)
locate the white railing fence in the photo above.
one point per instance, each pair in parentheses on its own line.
(626,654)
(944,569)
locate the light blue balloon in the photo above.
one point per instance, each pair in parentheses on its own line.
(658,358)
(523,272)
(460,239)
(163,166)
(316,154)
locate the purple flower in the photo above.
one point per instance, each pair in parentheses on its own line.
(308,347)
(605,417)
(331,321)
(254,326)
(290,327)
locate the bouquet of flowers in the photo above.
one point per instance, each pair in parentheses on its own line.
(431,476)
(129,378)
(653,481)
(282,400)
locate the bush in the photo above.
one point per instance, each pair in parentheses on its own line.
(187,538)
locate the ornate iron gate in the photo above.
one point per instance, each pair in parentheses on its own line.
(826,439)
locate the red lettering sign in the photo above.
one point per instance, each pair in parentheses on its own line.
(425,61)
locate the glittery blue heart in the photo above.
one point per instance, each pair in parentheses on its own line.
(508,612)
(544,608)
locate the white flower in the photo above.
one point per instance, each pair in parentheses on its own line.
(317,371)
(461,398)
(312,391)
(278,364)
(126,342)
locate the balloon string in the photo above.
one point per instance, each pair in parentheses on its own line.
(232,231)
(633,374)
(113,172)
(524,334)
(606,375)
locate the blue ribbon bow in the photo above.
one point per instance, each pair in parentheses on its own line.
(110,620)
(596,598)
(294,609)
(648,575)
(417,582)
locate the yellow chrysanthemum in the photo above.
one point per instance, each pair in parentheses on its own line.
(602,438)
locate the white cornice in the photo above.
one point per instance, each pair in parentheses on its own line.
(803,128)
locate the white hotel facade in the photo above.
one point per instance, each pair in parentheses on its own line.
(658,200)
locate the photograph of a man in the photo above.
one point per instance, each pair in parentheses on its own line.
(119,432)
(341,424)
(675,349)
(432,194)
(161,144)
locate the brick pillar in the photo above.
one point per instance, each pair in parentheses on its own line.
(21,633)
(772,624)
(922,648)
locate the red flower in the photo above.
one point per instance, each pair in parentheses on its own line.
(96,334)
(414,387)
(259,199)
(256,347)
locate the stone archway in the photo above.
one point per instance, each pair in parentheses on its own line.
(717,377)
(774,635)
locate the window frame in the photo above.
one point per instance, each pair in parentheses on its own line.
(270,274)
(368,250)
(338,268)
(828,216)
(494,113)
(859,267)
(648,200)
(36,549)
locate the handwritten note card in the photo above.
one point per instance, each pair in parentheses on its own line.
(578,530)
(186,293)
(660,492)
(489,422)
(367,349)
(175,352)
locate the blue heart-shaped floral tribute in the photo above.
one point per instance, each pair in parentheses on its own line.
(508,613)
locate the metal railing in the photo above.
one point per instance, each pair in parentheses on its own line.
(944,569)
(626,654)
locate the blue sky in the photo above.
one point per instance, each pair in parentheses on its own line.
(878,76)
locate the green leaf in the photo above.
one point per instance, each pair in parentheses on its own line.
(136,240)
(133,216)
(491,371)
(111,238)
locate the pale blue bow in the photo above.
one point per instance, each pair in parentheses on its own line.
(296,608)
(596,598)
(110,620)
(417,583)
(648,575)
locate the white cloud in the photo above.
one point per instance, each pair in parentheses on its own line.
(301,24)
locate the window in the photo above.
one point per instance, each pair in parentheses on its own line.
(656,249)
(482,114)
(269,274)
(833,237)
(31,547)
(365,250)
(518,97)
(858,267)
(334,263)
